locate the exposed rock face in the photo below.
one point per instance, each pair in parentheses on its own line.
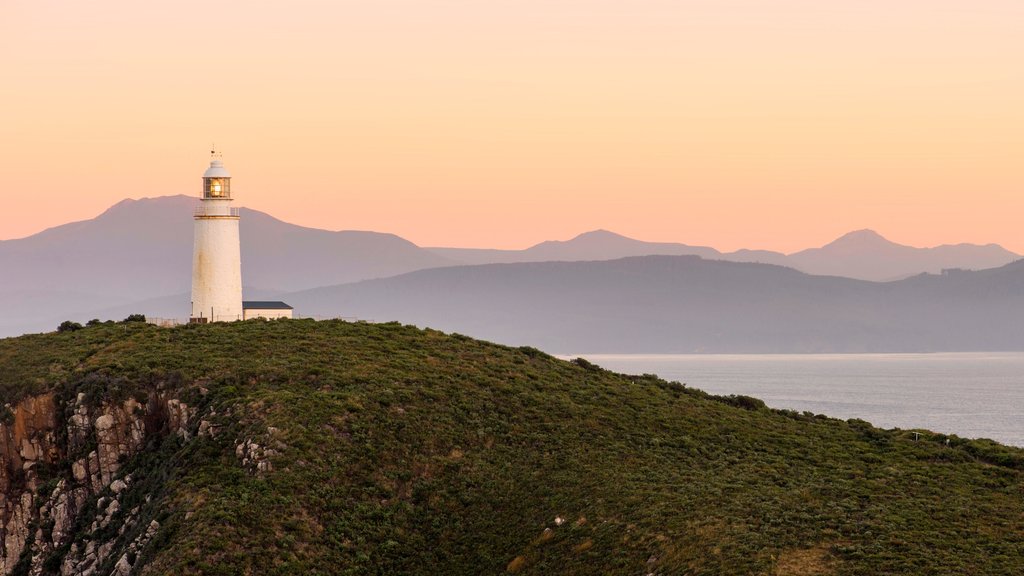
(26,441)
(37,519)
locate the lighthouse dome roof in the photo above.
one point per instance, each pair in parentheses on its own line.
(216,170)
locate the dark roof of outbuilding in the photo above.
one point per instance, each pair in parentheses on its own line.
(264,305)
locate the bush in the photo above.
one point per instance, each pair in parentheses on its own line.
(587,365)
(533,352)
(68,326)
(135,318)
(741,401)
(94,322)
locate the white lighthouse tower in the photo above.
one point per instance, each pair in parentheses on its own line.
(217,258)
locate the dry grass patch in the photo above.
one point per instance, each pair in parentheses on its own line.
(805,562)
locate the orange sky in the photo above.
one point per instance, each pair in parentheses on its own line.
(500,123)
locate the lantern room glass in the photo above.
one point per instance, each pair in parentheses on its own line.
(216,187)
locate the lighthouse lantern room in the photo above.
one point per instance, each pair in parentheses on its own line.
(216,258)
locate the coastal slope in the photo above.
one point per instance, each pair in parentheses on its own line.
(302,447)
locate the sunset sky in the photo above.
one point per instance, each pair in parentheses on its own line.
(776,124)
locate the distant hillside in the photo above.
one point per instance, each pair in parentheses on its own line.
(867,255)
(599,245)
(863,255)
(682,304)
(301,447)
(137,248)
(282,256)
(142,249)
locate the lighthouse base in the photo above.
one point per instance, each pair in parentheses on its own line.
(216,265)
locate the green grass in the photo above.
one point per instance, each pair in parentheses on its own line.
(407,451)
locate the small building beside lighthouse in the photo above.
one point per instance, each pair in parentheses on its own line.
(216,256)
(268,310)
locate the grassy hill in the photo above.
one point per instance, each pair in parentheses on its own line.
(338,448)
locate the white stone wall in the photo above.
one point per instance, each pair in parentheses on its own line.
(216,264)
(268,314)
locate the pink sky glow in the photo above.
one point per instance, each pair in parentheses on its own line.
(502,123)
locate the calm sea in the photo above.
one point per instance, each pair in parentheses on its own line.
(974,395)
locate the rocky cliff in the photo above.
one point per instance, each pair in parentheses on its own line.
(61,464)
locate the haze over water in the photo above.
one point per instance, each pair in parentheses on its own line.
(974,395)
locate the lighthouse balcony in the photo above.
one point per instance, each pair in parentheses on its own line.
(203,211)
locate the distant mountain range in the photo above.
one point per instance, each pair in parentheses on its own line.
(864,255)
(136,256)
(685,304)
(602,245)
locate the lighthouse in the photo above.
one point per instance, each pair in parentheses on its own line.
(216,256)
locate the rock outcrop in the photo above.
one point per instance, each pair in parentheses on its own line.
(61,467)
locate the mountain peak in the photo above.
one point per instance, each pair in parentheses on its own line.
(592,239)
(178,201)
(600,234)
(864,237)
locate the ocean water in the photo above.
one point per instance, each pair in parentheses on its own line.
(973,395)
